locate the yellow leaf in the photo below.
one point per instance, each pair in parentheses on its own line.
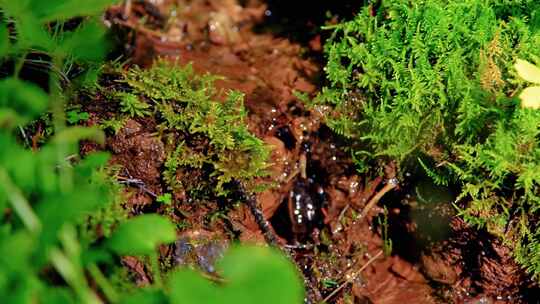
(530,98)
(528,71)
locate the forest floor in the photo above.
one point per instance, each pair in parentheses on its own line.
(337,250)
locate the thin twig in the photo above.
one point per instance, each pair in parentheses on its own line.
(339,226)
(136,182)
(391,184)
(352,277)
(261,221)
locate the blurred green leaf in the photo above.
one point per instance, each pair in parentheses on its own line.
(26,99)
(32,35)
(15,8)
(90,163)
(53,10)
(252,275)
(15,252)
(57,295)
(75,134)
(90,78)
(4,40)
(260,275)
(86,43)
(188,286)
(142,234)
(145,296)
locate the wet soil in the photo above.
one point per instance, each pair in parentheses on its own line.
(317,195)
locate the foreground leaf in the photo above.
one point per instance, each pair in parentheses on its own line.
(141,235)
(24,99)
(52,10)
(252,275)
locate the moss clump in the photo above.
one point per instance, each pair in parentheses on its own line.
(433,80)
(204,129)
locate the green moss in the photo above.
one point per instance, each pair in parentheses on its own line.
(434,80)
(206,134)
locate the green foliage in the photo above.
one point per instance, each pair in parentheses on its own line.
(20,102)
(50,198)
(200,130)
(249,275)
(114,124)
(75,116)
(130,239)
(165,199)
(46,194)
(131,105)
(434,80)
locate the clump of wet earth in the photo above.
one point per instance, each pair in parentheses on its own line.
(317,196)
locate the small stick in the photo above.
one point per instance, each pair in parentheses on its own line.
(352,277)
(263,224)
(136,182)
(391,184)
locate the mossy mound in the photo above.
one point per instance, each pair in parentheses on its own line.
(434,81)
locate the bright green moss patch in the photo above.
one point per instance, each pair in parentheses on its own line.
(434,80)
(207,138)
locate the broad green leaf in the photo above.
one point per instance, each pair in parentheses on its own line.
(527,71)
(27,99)
(142,234)
(251,275)
(260,275)
(188,286)
(530,98)
(31,34)
(53,10)
(86,43)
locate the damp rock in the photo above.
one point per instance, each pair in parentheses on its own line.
(199,249)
